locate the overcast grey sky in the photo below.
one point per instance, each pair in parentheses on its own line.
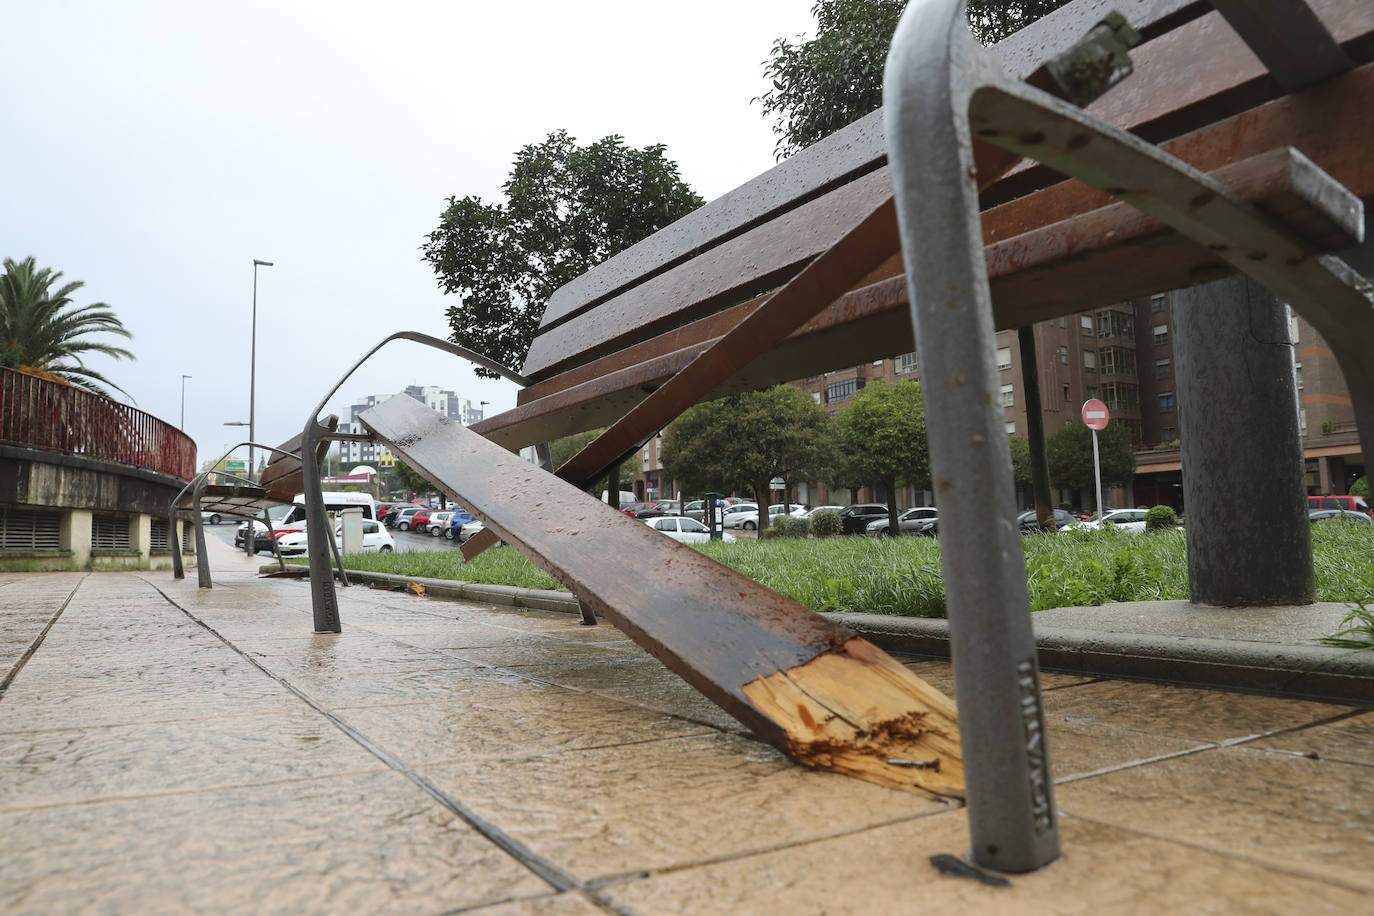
(154,148)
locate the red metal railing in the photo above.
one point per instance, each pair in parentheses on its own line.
(54,417)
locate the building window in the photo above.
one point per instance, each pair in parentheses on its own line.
(109,532)
(813,378)
(1005,397)
(1118,361)
(1157,302)
(906,363)
(1092,391)
(1090,360)
(21,529)
(1011,427)
(839,391)
(1161,333)
(1004,357)
(1162,367)
(1168,433)
(1066,391)
(1302,420)
(1166,403)
(1120,396)
(1063,356)
(1086,324)
(816,395)
(1297,374)
(157,536)
(1115,324)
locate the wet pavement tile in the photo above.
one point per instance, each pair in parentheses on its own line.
(1104,869)
(940,675)
(70,765)
(537,720)
(673,695)
(1077,750)
(1313,817)
(572,903)
(1208,716)
(530,650)
(660,804)
(355,843)
(455,684)
(601,674)
(1345,741)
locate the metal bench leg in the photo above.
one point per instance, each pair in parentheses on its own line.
(1012,820)
(272,535)
(202,562)
(178,568)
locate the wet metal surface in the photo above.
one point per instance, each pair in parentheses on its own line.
(196,751)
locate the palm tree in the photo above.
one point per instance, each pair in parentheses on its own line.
(44,334)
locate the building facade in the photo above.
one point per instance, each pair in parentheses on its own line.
(440,400)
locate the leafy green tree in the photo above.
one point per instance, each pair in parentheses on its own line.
(883,435)
(836,78)
(1070,455)
(743,441)
(1020,460)
(406,478)
(1360,487)
(567,209)
(560,450)
(42,332)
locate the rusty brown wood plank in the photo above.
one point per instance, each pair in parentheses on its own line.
(1108,254)
(850,152)
(232,499)
(281,477)
(763,258)
(737,642)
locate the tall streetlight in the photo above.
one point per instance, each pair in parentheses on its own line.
(182,427)
(253,368)
(482,409)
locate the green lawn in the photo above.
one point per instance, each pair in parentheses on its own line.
(902,576)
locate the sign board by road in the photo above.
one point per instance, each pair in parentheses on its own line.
(1095,414)
(236,466)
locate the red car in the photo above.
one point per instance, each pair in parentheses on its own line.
(419,521)
(643,510)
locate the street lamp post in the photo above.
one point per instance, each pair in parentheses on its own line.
(184,377)
(482,409)
(253,368)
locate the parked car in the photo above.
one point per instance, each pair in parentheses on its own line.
(419,522)
(741,515)
(923,520)
(393,513)
(686,530)
(404,518)
(469,530)
(856,518)
(836,509)
(1348,503)
(670,506)
(262,541)
(211,518)
(460,518)
(794,509)
(1121,519)
(643,510)
(438,523)
(1030,524)
(1338,515)
(376,539)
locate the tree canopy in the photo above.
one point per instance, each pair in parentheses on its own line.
(835,78)
(1069,453)
(882,434)
(43,333)
(567,209)
(743,441)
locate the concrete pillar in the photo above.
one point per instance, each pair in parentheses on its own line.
(1249,540)
(75,535)
(141,538)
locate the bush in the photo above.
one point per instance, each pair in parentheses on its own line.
(1360,487)
(793,527)
(772,531)
(1161,518)
(826,523)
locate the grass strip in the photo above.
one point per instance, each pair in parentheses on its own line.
(902,576)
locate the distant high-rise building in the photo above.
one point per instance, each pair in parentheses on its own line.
(437,399)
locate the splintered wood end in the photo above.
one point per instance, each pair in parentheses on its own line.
(856,710)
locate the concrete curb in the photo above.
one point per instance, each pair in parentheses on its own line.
(1309,672)
(1313,672)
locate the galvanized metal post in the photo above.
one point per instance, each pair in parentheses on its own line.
(324,601)
(1012,818)
(202,567)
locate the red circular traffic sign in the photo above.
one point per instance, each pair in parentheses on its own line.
(1095,414)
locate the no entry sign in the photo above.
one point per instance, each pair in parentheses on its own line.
(1095,414)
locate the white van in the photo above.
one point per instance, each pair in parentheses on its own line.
(334,501)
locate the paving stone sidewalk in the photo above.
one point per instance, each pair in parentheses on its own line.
(166,748)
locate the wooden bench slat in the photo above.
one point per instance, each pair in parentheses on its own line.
(848,153)
(723,633)
(1056,270)
(762,258)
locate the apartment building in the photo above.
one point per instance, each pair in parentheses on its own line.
(440,400)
